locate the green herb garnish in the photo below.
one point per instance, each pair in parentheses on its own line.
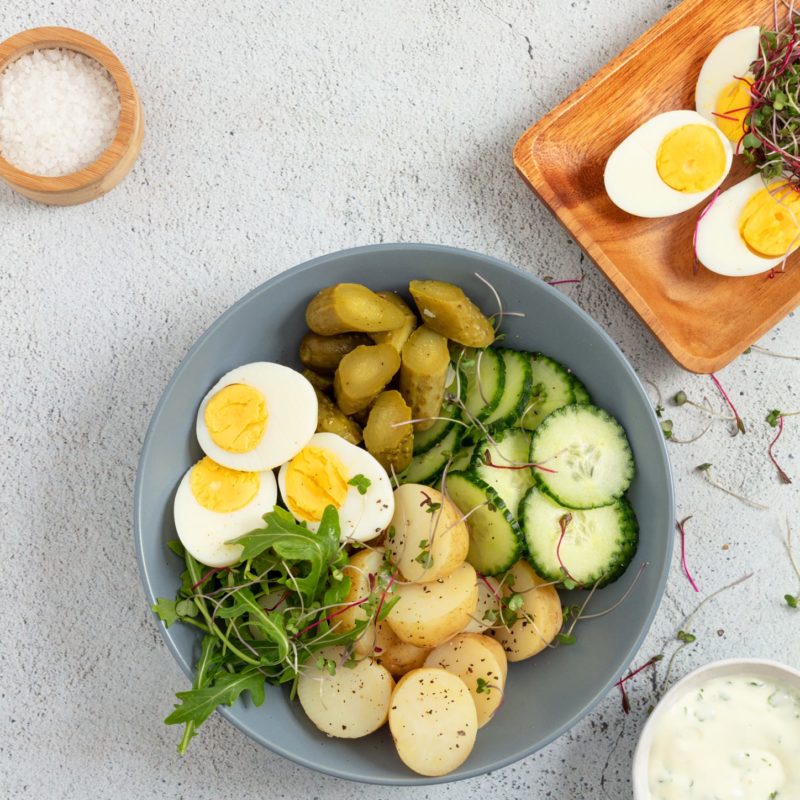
(361,482)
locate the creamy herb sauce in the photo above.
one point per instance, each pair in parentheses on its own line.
(733,738)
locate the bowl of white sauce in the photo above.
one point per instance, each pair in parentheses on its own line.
(729,730)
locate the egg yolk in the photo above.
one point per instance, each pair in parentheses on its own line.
(315,479)
(220,489)
(236,418)
(733,105)
(770,222)
(691,158)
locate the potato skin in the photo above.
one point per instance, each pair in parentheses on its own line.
(433,721)
(540,615)
(331,420)
(362,564)
(397,656)
(353,702)
(445,308)
(391,446)
(323,353)
(443,529)
(429,613)
(475,658)
(362,375)
(399,336)
(349,307)
(423,373)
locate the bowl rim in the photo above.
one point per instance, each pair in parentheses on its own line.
(290,274)
(725,666)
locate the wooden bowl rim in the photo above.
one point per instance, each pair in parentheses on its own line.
(52,37)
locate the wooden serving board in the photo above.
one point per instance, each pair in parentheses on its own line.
(704,320)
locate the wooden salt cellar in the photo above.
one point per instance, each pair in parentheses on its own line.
(116,160)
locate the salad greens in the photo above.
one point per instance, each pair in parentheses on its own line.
(265,616)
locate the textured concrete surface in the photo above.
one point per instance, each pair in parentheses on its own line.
(276,132)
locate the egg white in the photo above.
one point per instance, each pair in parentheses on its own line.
(732,56)
(361,516)
(203,533)
(631,177)
(291,421)
(720,247)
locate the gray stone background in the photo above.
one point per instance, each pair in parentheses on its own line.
(278,131)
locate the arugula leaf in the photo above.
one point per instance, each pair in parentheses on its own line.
(198,704)
(203,673)
(271,624)
(166,610)
(176,547)
(294,542)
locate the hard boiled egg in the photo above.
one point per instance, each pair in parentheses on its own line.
(214,504)
(331,471)
(257,417)
(749,228)
(667,165)
(722,94)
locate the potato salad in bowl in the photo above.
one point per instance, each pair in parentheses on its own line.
(384,518)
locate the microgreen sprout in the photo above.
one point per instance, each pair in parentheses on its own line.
(563,522)
(739,422)
(620,684)
(361,482)
(764,351)
(775,419)
(487,459)
(793,601)
(705,471)
(550,280)
(684,565)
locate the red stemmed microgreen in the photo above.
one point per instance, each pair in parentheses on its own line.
(487,459)
(739,422)
(684,565)
(620,684)
(563,524)
(562,281)
(208,575)
(775,419)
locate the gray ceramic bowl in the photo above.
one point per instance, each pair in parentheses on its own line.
(546,695)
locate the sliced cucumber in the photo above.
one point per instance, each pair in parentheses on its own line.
(463,458)
(589,453)
(495,539)
(484,372)
(516,390)
(428,466)
(556,381)
(597,546)
(508,478)
(581,392)
(425,440)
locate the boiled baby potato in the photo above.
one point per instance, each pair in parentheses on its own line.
(331,420)
(428,537)
(322,383)
(429,613)
(362,565)
(362,375)
(445,308)
(323,353)
(473,658)
(386,435)
(540,616)
(488,602)
(433,721)
(423,374)
(399,336)
(397,656)
(350,307)
(351,703)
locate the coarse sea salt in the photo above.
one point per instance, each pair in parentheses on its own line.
(58,111)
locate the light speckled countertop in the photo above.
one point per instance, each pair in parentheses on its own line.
(277,132)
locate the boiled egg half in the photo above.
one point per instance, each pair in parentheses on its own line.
(749,228)
(722,93)
(667,165)
(215,504)
(331,471)
(257,417)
